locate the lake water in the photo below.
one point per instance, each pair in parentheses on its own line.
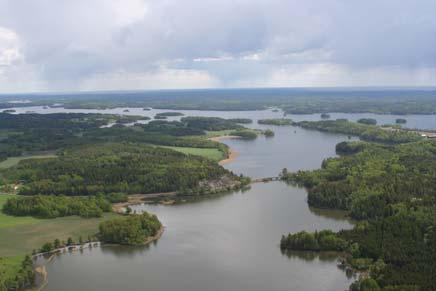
(225,243)
(414,121)
(230,242)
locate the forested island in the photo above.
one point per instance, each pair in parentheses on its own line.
(365,131)
(276,121)
(130,230)
(388,186)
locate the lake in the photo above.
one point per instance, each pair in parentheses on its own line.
(414,121)
(229,242)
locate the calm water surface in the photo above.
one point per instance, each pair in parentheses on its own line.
(228,242)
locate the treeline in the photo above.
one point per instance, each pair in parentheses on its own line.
(168,114)
(123,119)
(324,240)
(368,121)
(291,100)
(210,123)
(113,168)
(43,132)
(241,120)
(370,177)
(172,128)
(398,250)
(29,133)
(276,121)
(21,278)
(391,190)
(129,230)
(244,133)
(364,131)
(44,206)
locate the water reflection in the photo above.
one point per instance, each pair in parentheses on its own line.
(311,256)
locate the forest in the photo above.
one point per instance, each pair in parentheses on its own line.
(112,167)
(34,133)
(44,206)
(210,123)
(365,130)
(390,190)
(130,229)
(276,121)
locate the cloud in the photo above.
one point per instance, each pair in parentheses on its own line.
(158,79)
(333,75)
(64,44)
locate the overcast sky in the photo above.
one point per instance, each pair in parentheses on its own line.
(69,45)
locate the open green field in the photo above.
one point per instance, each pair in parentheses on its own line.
(20,235)
(209,153)
(12,161)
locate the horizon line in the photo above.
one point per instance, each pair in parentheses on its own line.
(358,88)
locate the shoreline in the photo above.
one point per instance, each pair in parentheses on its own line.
(232,154)
(136,199)
(40,270)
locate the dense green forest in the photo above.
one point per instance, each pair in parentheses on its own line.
(34,133)
(391,189)
(129,230)
(210,123)
(369,177)
(276,121)
(244,133)
(364,131)
(168,114)
(241,120)
(368,121)
(114,167)
(324,240)
(44,206)
(398,249)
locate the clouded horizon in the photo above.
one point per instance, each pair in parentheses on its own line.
(71,45)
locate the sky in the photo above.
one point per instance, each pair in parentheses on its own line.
(85,45)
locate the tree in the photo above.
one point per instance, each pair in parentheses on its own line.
(56,243)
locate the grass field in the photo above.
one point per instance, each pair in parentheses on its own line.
(20,235)
(210,153)
(12,161)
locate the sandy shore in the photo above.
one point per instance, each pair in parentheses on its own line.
(232,155)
